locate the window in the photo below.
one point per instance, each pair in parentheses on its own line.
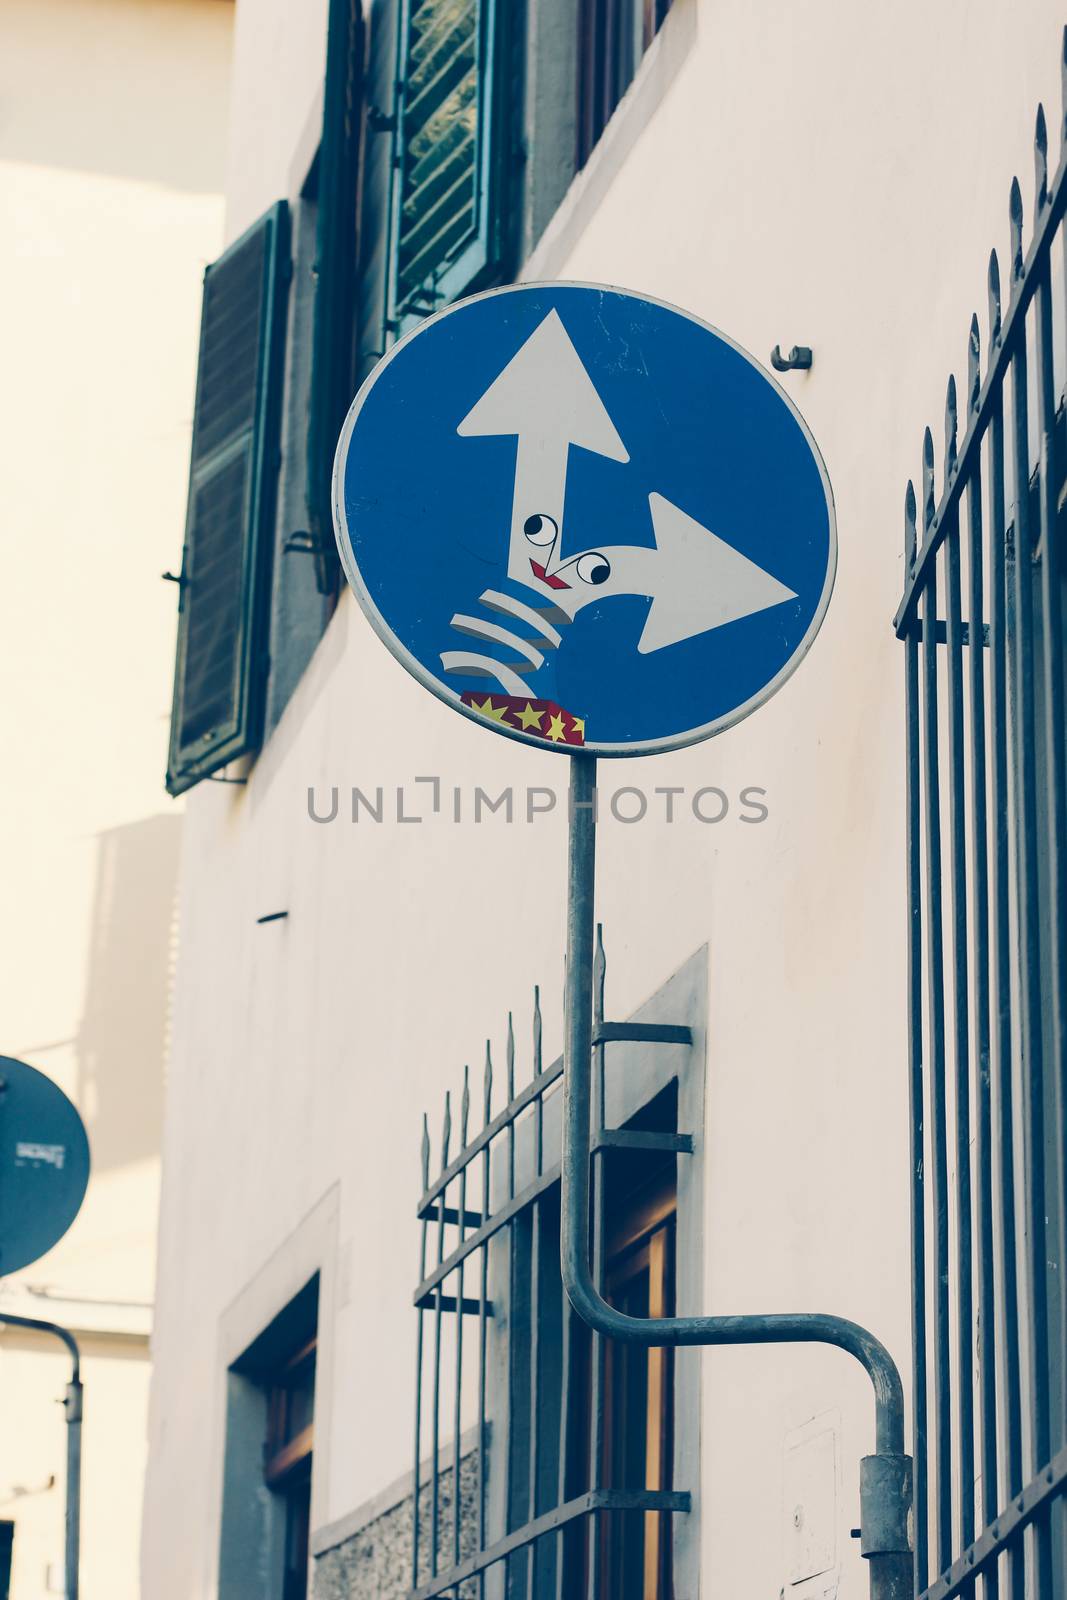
(562,1445)
(223,586)
(613,35)
(270,1418)
(455,110)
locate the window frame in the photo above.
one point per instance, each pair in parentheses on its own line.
(496,1204)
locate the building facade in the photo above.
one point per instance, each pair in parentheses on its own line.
(112,139)
(367,1380)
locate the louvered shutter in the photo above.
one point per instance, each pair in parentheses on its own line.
(221,669)
(448,229)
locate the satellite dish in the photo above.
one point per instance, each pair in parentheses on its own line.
(44,1164)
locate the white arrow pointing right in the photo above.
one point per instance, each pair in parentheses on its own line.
(697,581)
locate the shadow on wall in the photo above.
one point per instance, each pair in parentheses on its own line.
(121,1045)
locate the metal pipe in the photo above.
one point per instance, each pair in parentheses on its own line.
(73,1406)
(886,1486)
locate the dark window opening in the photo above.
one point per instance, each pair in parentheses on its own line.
(613,36)
(269,1444)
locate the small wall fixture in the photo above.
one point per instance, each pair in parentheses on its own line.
(272,916)
(798,359)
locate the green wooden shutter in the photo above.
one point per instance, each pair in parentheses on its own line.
(448,222)
(221,669)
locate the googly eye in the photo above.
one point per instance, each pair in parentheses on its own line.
(593,568)
(540,529)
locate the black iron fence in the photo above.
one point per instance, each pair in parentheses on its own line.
(982,619)
(534,1451)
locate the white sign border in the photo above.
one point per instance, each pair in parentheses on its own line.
(451,697)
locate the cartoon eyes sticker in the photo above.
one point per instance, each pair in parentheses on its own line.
(593,568)
(539,529)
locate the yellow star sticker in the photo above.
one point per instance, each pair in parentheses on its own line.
(579,726)
(555,728)
(490,710)
(530,718)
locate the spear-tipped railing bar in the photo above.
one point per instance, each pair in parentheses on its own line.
(988,1465)
(1029,917)
(1003,1000)
(438,1308)
(509,1096)
(424,1164)
(597,1350)
(457,1498)
(885,1477)
(917,1070)
(73,1406)
(929,757)
(535,1304)
(483,1310)
(960,893)
(1050,690)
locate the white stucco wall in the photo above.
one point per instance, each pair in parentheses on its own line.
(112,140)
(812,175)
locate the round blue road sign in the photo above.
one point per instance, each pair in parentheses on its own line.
(44,1164)
(584,518)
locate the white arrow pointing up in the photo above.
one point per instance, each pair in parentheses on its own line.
(546,398)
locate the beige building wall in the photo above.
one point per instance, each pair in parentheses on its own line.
(816,174)
(113,119)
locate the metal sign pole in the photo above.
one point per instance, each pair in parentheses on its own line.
(635,389)
(885,1476)
(73,1406)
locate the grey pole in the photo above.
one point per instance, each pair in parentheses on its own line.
(72,1405)
(885,1477)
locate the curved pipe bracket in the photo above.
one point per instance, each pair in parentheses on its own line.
(885,1500)
(72,1406)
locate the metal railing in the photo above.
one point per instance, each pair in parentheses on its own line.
(982,619)
(524,1487)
